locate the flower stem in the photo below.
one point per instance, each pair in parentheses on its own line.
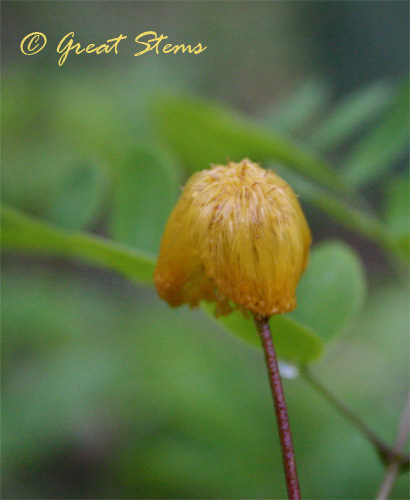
(289,463)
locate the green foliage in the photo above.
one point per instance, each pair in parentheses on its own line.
(22,233)
(116,354)
(33,173)
(146,190)
(202,133)
(348,117)
(79,200)
(295,112)
(332,290)
(397,209)
(377,153)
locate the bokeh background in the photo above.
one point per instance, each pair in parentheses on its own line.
(108,393)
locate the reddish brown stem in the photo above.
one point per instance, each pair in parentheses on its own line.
(289,463)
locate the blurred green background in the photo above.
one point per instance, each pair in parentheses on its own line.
(109,393)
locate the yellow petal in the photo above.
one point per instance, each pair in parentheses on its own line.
(237,234)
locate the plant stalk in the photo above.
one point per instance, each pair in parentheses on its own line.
(288,455)
(394,469)
(386,453)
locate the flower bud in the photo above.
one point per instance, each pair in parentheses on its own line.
(237,235)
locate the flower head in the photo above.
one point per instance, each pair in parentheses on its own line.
(237,234)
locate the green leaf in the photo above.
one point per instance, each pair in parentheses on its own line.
(293,341)
(332,290)
(146,190)
(379,150)
(34,171)
(396,213)
(78,202)
(202,133)
(23,233)
(294,113)
(356,110)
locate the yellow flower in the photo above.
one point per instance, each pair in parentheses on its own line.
(236,234)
